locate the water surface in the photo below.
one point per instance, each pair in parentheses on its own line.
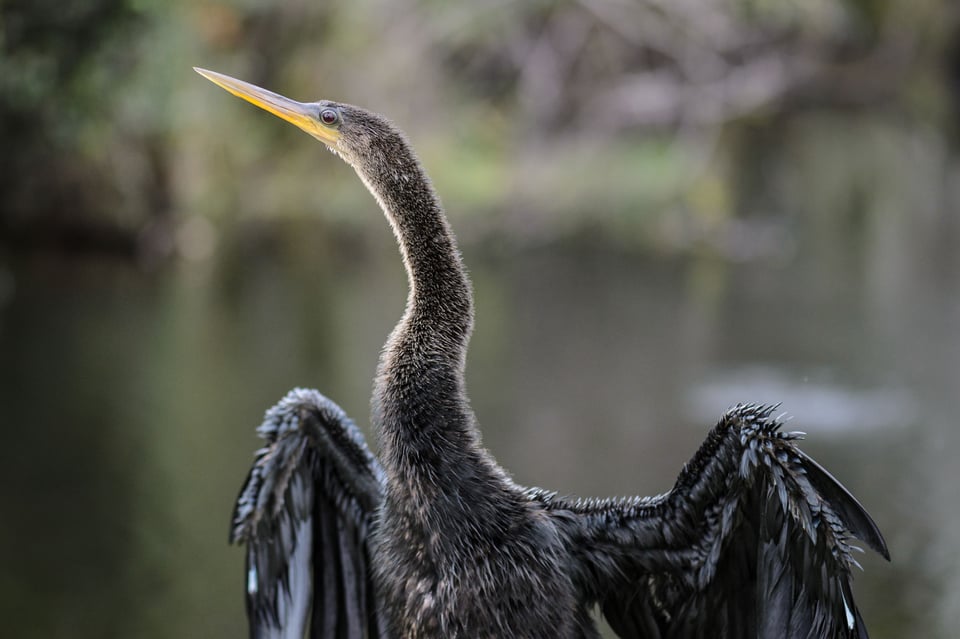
(129,402)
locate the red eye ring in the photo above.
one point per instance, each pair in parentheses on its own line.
(329,116)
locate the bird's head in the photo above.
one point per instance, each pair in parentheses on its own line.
(356,135)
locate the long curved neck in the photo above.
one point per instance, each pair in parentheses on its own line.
(426,428)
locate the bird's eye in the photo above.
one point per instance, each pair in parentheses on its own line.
(329,116)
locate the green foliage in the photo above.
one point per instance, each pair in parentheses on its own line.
(583,114)
(59,62)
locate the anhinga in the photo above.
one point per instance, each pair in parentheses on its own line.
(434,539)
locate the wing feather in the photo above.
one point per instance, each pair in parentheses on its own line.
(305,513)
(754,540)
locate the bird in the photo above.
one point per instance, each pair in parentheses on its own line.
(432,538)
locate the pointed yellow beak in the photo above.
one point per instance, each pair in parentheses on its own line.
(301,114)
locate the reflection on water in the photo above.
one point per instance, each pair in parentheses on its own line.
(828,404)
(129,403)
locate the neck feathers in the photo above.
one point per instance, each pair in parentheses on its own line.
(420,405)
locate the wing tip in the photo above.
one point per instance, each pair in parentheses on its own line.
(855,517)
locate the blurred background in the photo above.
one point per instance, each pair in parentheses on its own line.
(667,207)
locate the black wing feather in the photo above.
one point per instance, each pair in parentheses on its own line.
(306,513)
(753,541)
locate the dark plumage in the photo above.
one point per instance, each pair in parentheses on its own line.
(435,539)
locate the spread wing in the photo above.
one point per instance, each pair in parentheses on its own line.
(754,540)
(305,514)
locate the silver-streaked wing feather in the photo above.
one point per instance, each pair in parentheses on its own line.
(305,514)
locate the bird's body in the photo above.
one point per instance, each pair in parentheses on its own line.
(432,539)
(455,533)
